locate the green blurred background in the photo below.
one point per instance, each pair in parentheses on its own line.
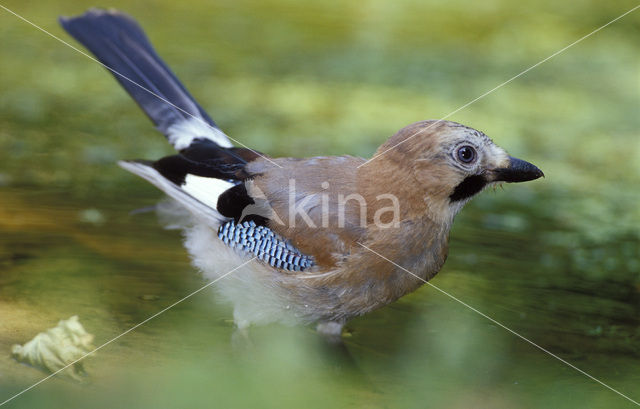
(556,260)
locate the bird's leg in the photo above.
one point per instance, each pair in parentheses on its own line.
(332,330)
(240,339)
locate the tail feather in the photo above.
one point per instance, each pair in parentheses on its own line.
(207,165)
(122,46)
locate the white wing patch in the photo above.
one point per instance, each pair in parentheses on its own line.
(199,200)
(182,133)
(206,190)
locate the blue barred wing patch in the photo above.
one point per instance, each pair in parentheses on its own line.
(265,244)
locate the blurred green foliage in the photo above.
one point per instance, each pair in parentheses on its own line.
(557,259)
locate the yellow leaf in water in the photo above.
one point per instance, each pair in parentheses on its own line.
(57,347)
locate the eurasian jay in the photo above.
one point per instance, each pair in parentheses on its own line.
(313,229)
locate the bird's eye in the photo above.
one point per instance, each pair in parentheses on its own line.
(466,154)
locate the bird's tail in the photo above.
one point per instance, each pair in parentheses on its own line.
(121,45)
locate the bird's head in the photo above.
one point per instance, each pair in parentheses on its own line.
(451,163)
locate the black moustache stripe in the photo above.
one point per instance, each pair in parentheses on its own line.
(468,187)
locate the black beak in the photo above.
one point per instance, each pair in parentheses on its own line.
(517,171)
